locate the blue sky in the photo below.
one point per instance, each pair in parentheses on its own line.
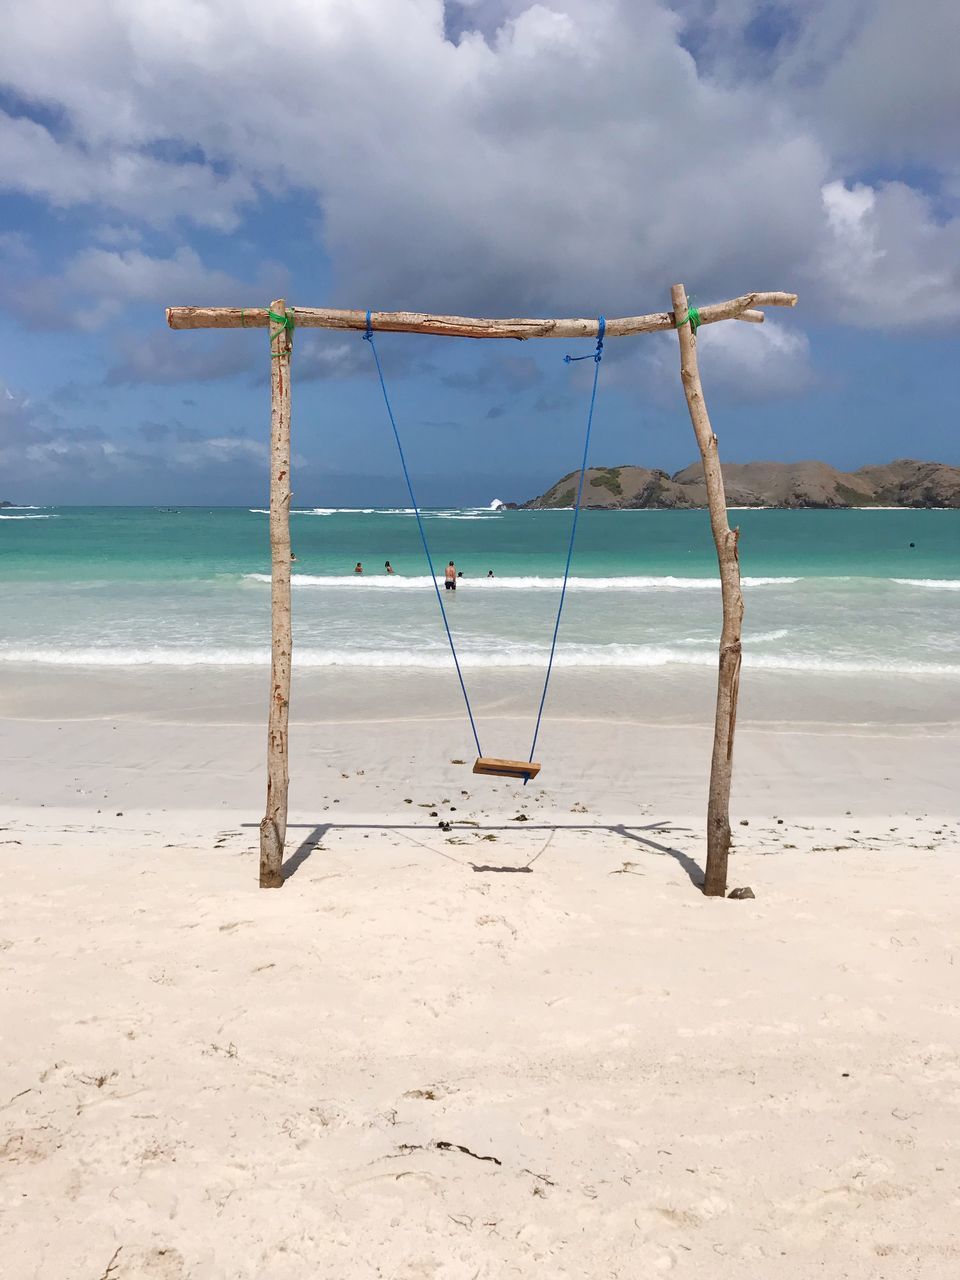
(494,157)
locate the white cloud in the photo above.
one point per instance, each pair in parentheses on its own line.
(43,459)
(119,178)
(97,283)
(740,363)
(886,261)
(161,358)
(880,77)
(133,276)
(570,157)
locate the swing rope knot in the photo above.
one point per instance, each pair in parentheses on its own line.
(693,318)
(368,336)
(598,354)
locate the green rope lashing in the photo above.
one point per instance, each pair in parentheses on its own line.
(287,323)
(693,315)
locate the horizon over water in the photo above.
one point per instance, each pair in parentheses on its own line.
(831,591)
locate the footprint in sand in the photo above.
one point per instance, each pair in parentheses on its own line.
(503,922)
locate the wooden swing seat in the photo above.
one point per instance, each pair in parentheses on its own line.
(506,768)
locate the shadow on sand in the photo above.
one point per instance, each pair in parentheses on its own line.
(317,831)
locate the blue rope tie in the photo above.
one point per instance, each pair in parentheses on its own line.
(598,354)
(368,337)
(596,358)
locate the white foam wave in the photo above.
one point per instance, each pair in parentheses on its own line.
(932,584)
(3,517)
(23,506)
(759,637)
(338,511)
(397,582)
(518,656)
(467,513)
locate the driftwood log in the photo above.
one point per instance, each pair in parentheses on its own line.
(728,681)
(745,307)
(742,308)
(273,828)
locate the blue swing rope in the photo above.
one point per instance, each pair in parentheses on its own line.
(368,337)
(596,357)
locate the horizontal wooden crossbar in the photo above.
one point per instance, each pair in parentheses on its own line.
(742,308)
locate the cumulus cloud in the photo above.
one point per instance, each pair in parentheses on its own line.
(127,180)
(886,258)
(321,356)
(43,457)
(740,363)
(34,443)
(879,77)
(162,357)
(96,284)
(502,155)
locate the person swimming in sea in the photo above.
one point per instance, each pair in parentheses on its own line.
(450,577)
(388,566)
(489,573)
(359,568)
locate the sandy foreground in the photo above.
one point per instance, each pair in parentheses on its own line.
(514,1048)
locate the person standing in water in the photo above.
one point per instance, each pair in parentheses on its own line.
(450,577)
(388,566)
(359,568)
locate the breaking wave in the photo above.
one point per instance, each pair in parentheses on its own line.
(396,582)
(509,656)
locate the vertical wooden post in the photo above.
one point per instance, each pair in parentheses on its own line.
(273,828)
(728,682)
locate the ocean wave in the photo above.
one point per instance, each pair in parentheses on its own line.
(397,582)
(454,513)
(338,511)
(619,656)
(933,584)
(4,517)
(759,637)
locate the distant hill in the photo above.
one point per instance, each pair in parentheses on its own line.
(905,483)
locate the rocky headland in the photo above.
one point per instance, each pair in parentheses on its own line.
(904,483)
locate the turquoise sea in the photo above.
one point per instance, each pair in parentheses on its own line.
(840,591)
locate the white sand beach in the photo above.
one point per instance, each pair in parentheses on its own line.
(526,1046)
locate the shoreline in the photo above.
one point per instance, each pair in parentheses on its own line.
(157,740)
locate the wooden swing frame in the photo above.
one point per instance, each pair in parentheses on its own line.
(279,320)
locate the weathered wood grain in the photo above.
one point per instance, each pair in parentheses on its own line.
(742,308)
(273,828)
(728,680)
